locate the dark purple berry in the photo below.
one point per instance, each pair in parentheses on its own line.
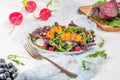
(2,77)
(10,65)
(56,24)
(74,44)
(14,75)
(3,65)
(2,70)
(12,70)
(65,43)
(2,60)
(9,78)
(88,41)
(7,74)
(6,70)
(46,41)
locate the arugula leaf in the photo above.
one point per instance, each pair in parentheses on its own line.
(100,2)
(17,62)
(24,2)
(56,42)
(49,3)
(13,57)
(84,65)
(98,53)
(101,44)
(73,29)
(114,23)
(84,36)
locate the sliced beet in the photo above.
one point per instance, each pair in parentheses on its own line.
(108,10)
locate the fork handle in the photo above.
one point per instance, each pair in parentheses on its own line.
(70,74)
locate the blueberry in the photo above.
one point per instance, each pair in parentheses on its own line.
(2,70)
(6,70)
(12,70)
(3,65)
(88,41)
(8,79)
(14,75)
(74,44)
(15,69)
(2,77)
(7,74)
(65,43)
(10,65)
(2,60)
(46,42)
(40,30)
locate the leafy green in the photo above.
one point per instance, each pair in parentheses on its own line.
(90,36)
(24,2)
(73,29)
(84,36)
(57,42)
(113,23)
(98,53)
(17,62)
(84,65)
(49,3)
(31,38)
(100,2)
(14,59)
(101,44)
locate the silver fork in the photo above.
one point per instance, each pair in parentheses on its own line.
(37,56)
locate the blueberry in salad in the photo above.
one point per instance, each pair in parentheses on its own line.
(61,38)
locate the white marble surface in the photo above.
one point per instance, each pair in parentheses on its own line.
(8,44)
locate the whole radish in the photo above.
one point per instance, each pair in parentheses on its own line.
(44,14)
(15,18)
(29,6)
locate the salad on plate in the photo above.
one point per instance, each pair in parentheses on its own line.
(58,38)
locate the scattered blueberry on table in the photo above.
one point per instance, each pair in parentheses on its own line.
(8,71)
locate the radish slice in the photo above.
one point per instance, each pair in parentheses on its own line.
(40,42)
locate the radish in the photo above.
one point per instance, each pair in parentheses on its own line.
(29,6)
(44,14)
(15,18)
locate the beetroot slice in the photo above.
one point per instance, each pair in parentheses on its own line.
(108,10)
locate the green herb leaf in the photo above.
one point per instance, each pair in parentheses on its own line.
(84,65)
(17,62)
(101,44)
(13,57)
(49,3)
(24,2)
(98,53)
(84,36)
(71,29)
(31,38)
(100,2)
